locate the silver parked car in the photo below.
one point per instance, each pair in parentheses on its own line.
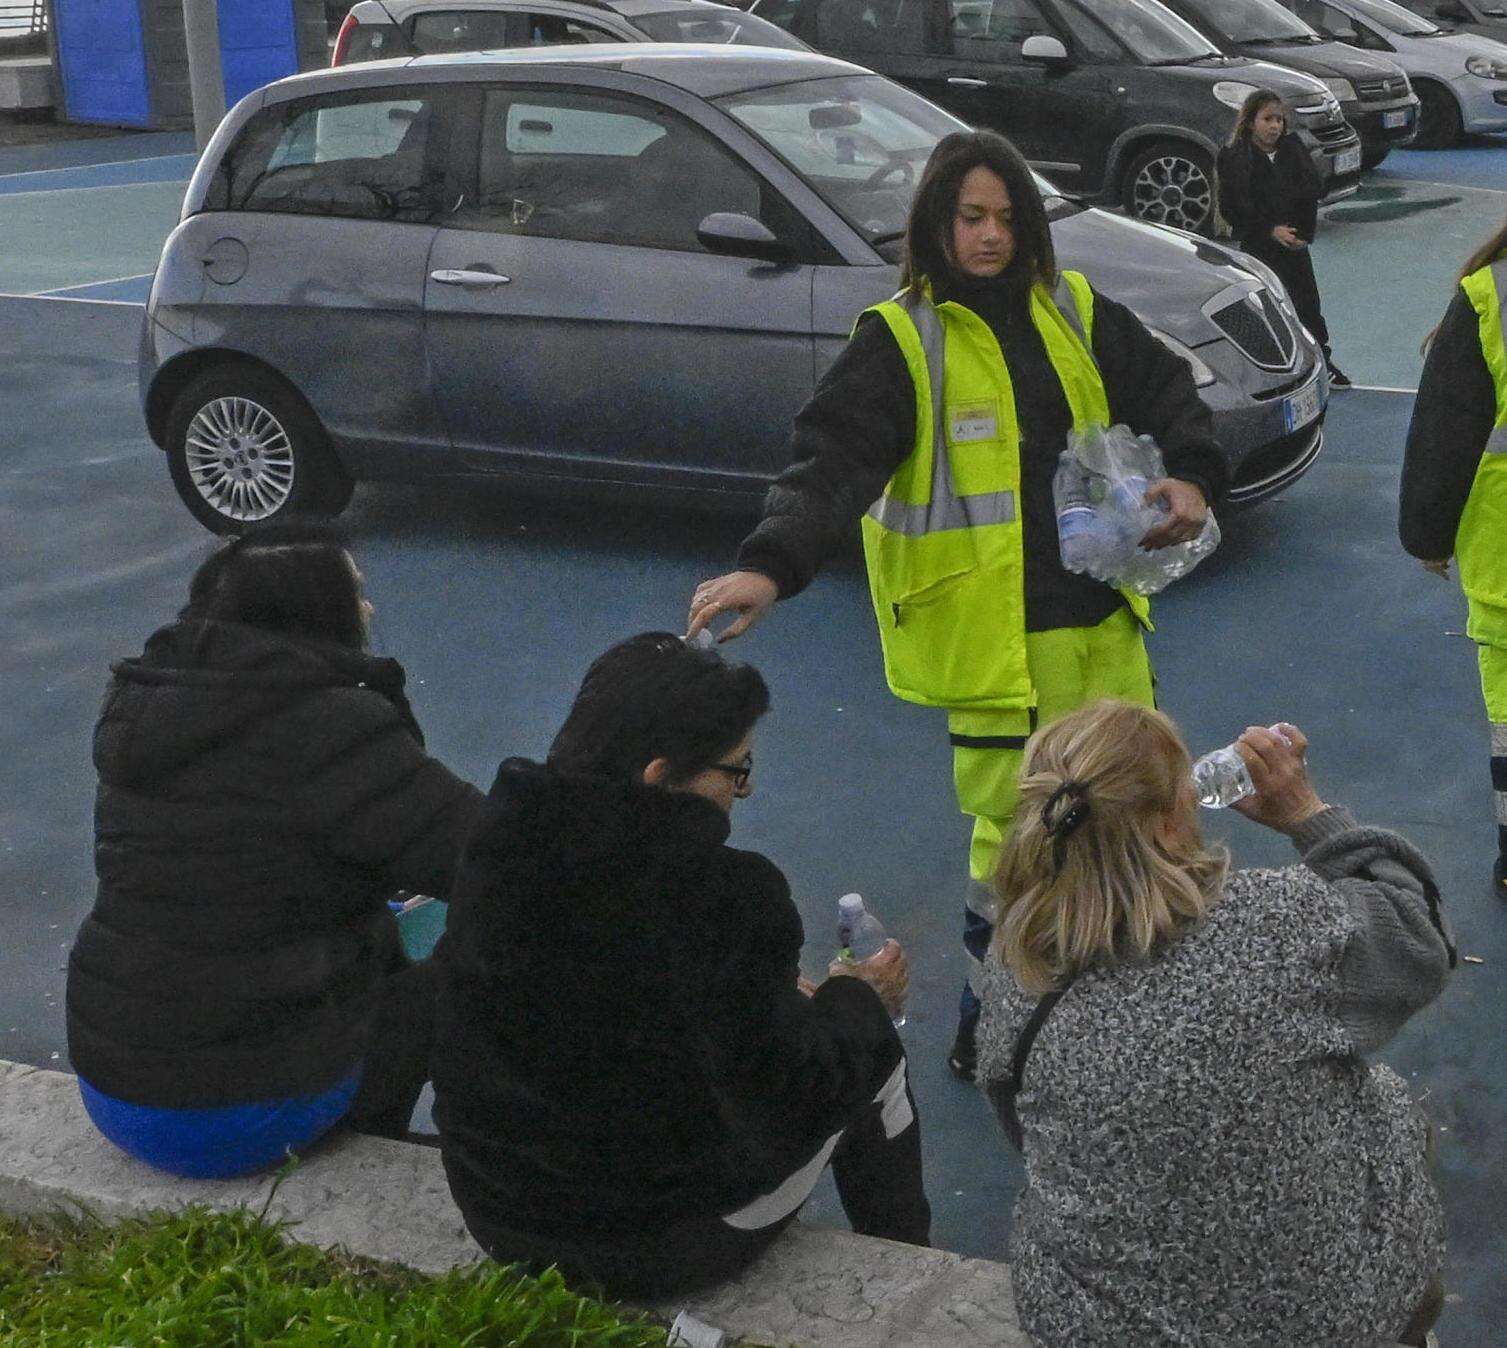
(614,263)
(1460,78)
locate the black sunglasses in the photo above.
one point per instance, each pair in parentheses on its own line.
(739,772)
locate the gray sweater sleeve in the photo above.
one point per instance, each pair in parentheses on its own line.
(1400,954)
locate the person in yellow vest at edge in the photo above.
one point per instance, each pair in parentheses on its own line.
(1454,483)
(940,426)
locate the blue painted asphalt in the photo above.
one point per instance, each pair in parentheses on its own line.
(157,169)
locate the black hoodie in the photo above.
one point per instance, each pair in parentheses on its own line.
(260,797)
(620,1042)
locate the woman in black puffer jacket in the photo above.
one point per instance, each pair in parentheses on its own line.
(239,987)
(1269,191)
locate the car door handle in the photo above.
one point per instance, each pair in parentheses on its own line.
(963,82)
(469,280)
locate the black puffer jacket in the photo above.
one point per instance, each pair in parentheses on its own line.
(1256,193)
(260,798)
(1452,420)
(620,1042)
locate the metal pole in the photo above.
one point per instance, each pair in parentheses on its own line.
(206,82)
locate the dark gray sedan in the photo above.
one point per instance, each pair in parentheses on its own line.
(624,264)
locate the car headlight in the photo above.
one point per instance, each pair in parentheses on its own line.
(1342,90)
(1203,376)
(1487,67)
(1232,93)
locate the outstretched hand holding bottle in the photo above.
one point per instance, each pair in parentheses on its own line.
(865,952)
(1275,757)
(749,594)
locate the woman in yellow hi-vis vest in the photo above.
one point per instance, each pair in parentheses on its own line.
(940,426)
(1454,482)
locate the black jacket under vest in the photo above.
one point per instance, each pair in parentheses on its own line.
(620,1042)
(260,798)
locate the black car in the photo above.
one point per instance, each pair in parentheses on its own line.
(1117,102)
(1373,92)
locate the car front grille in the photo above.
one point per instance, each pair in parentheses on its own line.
(1375,91)
(1258,327)
(1332,135)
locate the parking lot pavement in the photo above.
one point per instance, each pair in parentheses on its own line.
(496,599)
(1387,260)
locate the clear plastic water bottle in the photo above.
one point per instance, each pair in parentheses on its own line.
(1221,778)
(689,1332)
(860,936)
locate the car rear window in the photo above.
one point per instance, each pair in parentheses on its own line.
(366,155)
(715,25)
(460,30)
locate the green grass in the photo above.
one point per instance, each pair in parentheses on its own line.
(200,1279)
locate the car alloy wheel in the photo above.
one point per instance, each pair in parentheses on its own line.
(1170,186)
(240,458)
(243,447)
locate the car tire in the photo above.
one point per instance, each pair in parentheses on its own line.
(1439,122)
(1372,155)
(1170,183)
(243,448)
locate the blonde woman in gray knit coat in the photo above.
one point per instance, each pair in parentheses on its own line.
(1210,1159)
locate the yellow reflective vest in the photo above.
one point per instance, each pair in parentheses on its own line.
(1481,540)
(943,543)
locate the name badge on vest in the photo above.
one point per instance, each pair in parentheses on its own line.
(972,421)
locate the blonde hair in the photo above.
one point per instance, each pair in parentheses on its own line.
(1102,887)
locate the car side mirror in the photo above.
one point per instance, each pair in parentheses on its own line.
(1042,50)
(732,234)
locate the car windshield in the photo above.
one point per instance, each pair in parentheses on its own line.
(1254,21)
(1394,18)
(1153,34)
(859,141)
(715,24)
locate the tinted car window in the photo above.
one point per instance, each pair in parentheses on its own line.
(713,24)
(1094,40)
(1252,20)
(1327,19)
(872,25)
(560,30)
(367,155)
(603,169)
(1008,22)
(460,30)
(1153,33)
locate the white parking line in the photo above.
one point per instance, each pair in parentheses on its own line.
(1375,388)
(69,299)
(49,293)
(107,163)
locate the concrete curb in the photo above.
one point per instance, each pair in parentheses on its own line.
(389,1201)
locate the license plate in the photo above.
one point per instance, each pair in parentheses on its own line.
(1303,406)
(1398,118)
(1347,161)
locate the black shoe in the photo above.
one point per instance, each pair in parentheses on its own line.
(1337,377)
(962,1057)
(1499,876)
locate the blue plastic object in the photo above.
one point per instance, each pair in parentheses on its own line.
(421,927)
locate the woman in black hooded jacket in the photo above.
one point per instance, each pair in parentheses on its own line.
(1269,191)
(239,986)
(629,1082)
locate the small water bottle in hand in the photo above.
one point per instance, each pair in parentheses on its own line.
(1221,778)
(861,936)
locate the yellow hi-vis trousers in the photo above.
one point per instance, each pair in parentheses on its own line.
(1070,667)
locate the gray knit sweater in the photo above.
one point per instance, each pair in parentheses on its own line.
(1209,1158)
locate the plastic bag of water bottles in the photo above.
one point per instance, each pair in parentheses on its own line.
(1100,494)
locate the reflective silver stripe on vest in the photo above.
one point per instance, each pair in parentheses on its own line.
(1067,302)
(946,509)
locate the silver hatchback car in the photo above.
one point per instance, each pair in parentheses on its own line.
(626,264)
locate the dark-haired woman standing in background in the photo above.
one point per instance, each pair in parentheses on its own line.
(1269,191)
(239,988)
(976,612)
